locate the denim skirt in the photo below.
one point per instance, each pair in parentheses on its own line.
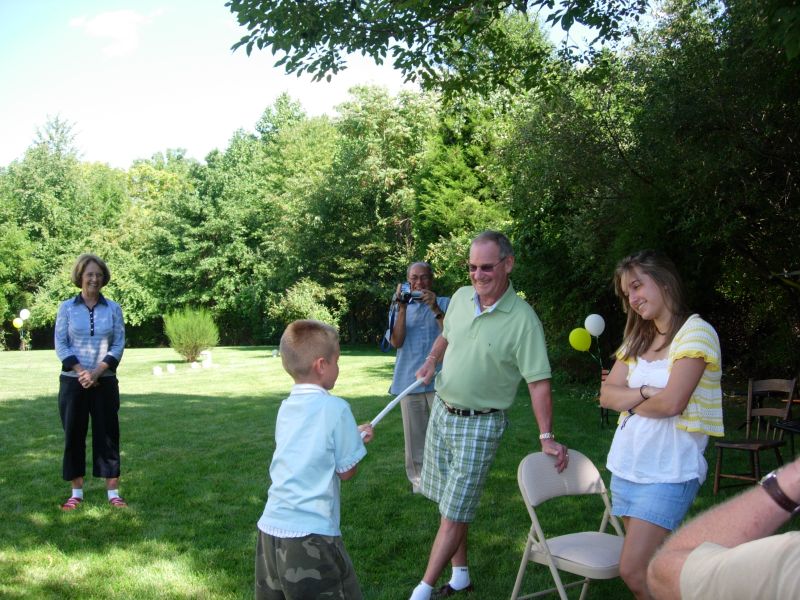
(663,504)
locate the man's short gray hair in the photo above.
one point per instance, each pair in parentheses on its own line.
(498,238)
(419,263)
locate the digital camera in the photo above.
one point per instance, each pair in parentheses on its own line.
(407,294)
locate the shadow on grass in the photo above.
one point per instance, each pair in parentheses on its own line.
(195,476)
(380,371)
(189,467)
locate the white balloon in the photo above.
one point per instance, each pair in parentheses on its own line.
(24,314)
(595,325)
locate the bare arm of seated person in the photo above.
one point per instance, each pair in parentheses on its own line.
(747,517)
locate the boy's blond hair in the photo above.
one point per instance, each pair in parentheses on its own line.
(305,341)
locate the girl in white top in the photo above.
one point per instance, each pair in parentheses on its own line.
(666,385)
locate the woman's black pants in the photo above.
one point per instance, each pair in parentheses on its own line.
(76,404)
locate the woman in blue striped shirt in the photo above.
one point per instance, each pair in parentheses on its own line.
(89,340)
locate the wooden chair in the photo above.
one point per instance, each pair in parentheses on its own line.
(760,431)
(590,554)
(791,427)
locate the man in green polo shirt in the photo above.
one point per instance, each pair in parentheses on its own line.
(490,341)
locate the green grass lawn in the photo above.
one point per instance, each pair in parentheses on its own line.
(196,446)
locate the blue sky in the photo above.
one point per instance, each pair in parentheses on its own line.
(135,78)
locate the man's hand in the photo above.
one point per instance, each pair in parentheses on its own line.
(426,371)
(553,448)
(429,298)
(396,296)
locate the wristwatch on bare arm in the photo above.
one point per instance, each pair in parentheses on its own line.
(771,486)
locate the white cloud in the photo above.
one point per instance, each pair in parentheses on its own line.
(121,27)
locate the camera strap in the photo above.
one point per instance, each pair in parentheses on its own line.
(386,343)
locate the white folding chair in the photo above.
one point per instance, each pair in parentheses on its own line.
(590,554)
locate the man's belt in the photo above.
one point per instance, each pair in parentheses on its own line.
(466,412)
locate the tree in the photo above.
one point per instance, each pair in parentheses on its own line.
(354,232)
(42,187)
(103,192)
(53,208)
(683,143)
(240,219)
(424,38)
(782,18)
(282,115)
(255,188)
(462,187)
(175,242)
(113,227)
(301,164)
(306,300)
(17,274)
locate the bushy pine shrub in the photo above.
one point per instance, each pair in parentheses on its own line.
(190,331)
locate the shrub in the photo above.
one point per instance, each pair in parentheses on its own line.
(306,299)
(190,331)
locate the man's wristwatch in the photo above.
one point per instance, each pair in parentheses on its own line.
(770,485)
(439,316)
(547,435)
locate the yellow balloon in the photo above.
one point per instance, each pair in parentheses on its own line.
(580,339)
(17,322)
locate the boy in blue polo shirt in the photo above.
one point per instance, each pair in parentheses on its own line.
(300,553)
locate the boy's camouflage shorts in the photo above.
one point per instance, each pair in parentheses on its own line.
(314,566)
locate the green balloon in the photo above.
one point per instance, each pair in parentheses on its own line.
(580,339)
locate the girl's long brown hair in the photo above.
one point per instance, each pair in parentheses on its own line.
(639,333)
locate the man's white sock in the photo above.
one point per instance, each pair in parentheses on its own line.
(421,592)
(459,578)
(77,493)
(113,494)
